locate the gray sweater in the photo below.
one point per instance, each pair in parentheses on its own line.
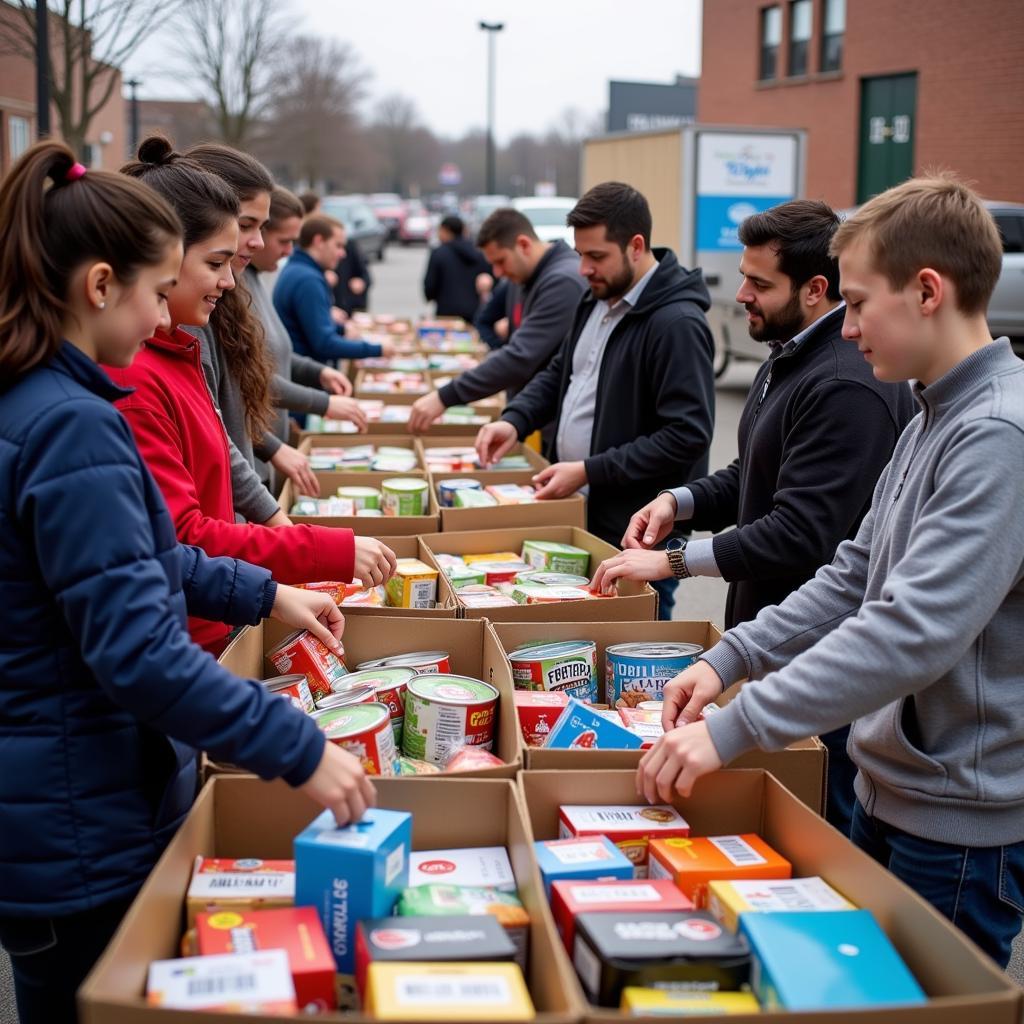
(915,632)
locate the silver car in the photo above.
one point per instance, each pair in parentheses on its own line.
(1006,308)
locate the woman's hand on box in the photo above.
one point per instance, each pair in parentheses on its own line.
(675,762)
(340,784)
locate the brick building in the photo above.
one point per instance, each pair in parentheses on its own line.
(884,89)
(105,143)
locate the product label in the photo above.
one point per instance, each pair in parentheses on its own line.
(263,884)
(737,850)
(616,894)
(394,864)
(578,853)
(452,990)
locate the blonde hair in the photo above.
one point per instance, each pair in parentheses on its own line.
(935,221)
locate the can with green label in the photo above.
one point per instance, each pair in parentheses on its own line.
(444,713)
(405,496)
(361,497)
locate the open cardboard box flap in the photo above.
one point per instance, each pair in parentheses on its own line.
(242,816)
(473,647)
(963,985)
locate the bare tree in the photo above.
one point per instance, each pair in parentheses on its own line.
(229,45)
(89,41)
(409,151)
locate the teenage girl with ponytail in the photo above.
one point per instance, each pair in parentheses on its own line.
(97,671)
(176,424)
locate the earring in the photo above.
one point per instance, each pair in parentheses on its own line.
(101,305)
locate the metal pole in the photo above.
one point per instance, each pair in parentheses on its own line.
(133,84)
(491,28)
(42,70)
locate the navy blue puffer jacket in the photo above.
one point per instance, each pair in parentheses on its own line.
(96,666)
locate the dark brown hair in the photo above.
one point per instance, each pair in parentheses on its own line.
(283,205)
(317,226)
(233,326)
(799,232)
(49,230)
(622,210)
(503,227)
(310,201)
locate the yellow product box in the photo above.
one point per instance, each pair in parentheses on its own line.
(656,1002)
(727,900)
(413,992)
(414,585)
(493,556)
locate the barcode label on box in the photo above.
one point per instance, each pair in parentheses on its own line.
(616,894)
(263,884)
(227,985)
(207,982)
(737,850)
(452,990)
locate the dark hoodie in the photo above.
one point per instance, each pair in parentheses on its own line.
(451,275)
(655,408)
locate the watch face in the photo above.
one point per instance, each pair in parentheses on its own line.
(676,544)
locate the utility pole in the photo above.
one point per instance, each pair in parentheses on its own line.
(42,70)
(492,29)
(133,84)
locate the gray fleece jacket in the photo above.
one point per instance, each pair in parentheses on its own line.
(915,632)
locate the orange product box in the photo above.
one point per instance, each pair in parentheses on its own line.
(296,930)
(693,862)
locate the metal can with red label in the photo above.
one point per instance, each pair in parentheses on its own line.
(419,661)
(293,688)
(444,713)
(344,697)
(389,686)
(303,652)
(364,730)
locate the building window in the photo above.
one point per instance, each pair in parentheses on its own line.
(832,35)
(20,137)
(771,39)
(800,18)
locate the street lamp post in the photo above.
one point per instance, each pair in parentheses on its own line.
(491,28)
(133,84)
(42,70)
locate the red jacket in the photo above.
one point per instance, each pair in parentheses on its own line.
(182,439)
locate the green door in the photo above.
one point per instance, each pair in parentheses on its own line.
(887,112)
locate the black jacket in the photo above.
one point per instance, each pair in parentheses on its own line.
(451,276)
(544,308)
(655,407)
(808,462)
(495,309)
(352,264)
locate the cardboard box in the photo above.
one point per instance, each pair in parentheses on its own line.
(468,440)
(242,816)
(962,983)
(801,767)
(636,603)
(473,648)
(365,526)
(396,439)
(571,511)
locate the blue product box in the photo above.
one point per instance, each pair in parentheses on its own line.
(588,857)
(825,960)
(352,873)
(580,727)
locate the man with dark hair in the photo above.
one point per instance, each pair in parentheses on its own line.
(545,287)
(457,274)
(815,434)
(632,385)
(302,296)
(310,202)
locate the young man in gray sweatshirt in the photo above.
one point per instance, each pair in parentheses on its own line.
(915,632)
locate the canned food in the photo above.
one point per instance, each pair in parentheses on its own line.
(361,497)
(345,696)
(365,731)
(500,572)
(388,683)
(649,705)
(303,652)
(446,489)
(293,688)
(404,496)
(638,673)
(419,661)
(444,713)
(552,579)
(570,666)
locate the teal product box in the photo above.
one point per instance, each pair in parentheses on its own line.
(586,858)
(579,727)
(352,873)
(825,960)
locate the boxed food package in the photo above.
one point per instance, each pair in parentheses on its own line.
(538,711)
(512,494)
(296,930)
(586,858)
(694,861)
(727,900)
(569,898)
(413,585)
(473,499)
(556,557)
(352,873)
(245,883)
(541,593)
(826,960)
(580,727)
(486,867)
(659,1002)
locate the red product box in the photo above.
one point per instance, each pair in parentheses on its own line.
(538,710)
(629,827)
(303,653)
(296,930)
(570,897)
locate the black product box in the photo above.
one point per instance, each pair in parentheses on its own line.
(431,940)
(657,950)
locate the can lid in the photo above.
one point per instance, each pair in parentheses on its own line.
(280,682)
(562,649)
(346,696)
(656,651)
(404,661)
(462,483)
(404,484)
(451,689)
(339,722)
(378,676)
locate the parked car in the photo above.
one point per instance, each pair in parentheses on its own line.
(547,215)
(390,211)
(417,224)
(361,224)
(1006,308)
(479,209)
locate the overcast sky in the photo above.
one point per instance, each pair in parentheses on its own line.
(552,54)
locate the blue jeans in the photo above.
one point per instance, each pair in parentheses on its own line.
(840,798)
(979,888)
(666,591)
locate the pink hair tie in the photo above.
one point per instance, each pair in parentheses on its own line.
(75,171)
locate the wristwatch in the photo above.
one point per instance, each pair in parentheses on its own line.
(676,551)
